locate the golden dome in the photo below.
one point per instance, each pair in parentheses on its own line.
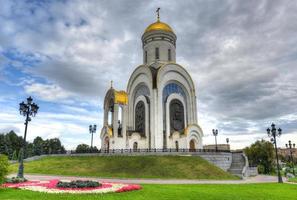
(120,97)
(158,26)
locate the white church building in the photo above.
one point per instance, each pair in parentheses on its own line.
(158,110)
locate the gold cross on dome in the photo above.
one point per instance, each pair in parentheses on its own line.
(111,82)
(158,13)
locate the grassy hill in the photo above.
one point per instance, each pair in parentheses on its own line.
(165,167)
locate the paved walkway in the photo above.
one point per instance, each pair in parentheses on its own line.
(256,179)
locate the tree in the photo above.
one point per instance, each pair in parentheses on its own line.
(3,145)
(29,150)
(10,145)
(261,154)
(83,148)
(3,167)
(14,155)
(94,149)
(38,146)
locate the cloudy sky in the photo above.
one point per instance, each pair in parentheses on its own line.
(242,56)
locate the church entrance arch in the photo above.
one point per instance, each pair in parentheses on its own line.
(135,146)
(192,145)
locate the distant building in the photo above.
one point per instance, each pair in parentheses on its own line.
(158,109)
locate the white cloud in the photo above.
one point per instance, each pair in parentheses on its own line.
(47,92)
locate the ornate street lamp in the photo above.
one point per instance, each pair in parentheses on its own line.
(289,146)
(227,140)
(273,133)
(215,133)
(28,110)
(92,130)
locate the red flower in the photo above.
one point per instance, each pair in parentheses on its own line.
(129,188)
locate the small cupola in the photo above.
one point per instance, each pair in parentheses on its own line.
(158,42)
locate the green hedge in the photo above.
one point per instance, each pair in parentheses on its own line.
(3,167)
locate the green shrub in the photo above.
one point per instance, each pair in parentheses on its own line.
(261,169)
(78,184)
(3,167)
(16,180)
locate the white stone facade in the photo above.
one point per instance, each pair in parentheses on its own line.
(158,109)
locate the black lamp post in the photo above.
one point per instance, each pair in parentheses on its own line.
(92,130)
(28,110)
(215,133)
(273,133)
(227,140)
(289,146)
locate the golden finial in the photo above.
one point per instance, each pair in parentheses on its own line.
(111,82)
(158,14)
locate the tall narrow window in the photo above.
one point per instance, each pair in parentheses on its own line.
(169,54)
(157,53)
(177,120)
(140,118)
(145,57)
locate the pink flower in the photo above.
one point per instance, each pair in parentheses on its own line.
(129,188)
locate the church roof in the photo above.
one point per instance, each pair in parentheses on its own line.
(120,97)
(158,26)
(117,97)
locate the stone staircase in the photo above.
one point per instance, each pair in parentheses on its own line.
(238,165)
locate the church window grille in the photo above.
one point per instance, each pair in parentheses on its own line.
(140,118)
(177,119)
(157,53)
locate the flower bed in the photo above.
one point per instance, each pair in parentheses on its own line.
(51,187)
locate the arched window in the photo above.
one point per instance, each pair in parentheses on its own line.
(177,117)
(169,54)
(145,57)
(172,88)
(140,118)
(110,113)
(142,90)
(157,53)
(109,118)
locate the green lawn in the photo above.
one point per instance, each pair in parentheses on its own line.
(165,167)
(272,191)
